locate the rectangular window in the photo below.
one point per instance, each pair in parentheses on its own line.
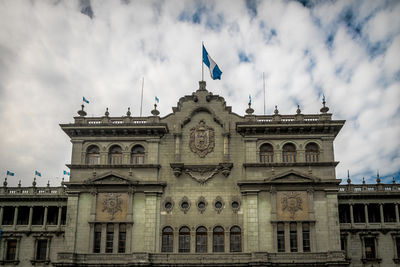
(52,215)
(369,244)
(201,243)
(344,213)
(116,159)
(41,250)
(218,243)
(359,213)
(63,215)
(38,215)
(374,213)
(398,246)
(93,159)
(110,238)
(8,215)
(97,238)
(343,243)
(389,212)
(11,252)
(306,237)
(122,238)
(281,237)
(23,215)
(293,237)
(184,243)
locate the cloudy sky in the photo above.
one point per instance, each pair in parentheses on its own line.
(54,52)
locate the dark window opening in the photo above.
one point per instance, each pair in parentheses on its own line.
(218,239)
(289,153)
(23,215)
(266,153)
(398,246)
(38,215)
(293,237)
(184,240)
(312,152)
(235,205)
(63,215)
(344,213)
(236,239)
(110,238)
(306,237)
(8,215)
(185,205)
(122,238)
(281,237)
(115,155)
(359,213)
(137,155)
(52,215)
(374,213)
(168,205)
(167,240)
(343,243)
(201,240)
(11,252)
(389,212)
(370,251)
(41,250)
(218,205)
(97,238)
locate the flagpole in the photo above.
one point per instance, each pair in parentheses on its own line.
(202,65)
(264,94)
(141,98)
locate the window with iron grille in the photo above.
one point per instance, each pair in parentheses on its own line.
(306,237)
(41,249)
(293,237)
(201,240)
(370,249)
(115,155)
(184,240)
(137,155)
(218,239)
(97,238)
(11,252)
(122,238)
(235,239)
(109,238)
(281,237)
(312,152)
(266,153)
(93,155)
(289,153)
(167,240)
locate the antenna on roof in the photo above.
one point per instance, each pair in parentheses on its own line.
(141,98)
(264,94)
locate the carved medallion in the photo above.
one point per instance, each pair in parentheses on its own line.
(112,204)
(202,139)
(292,203)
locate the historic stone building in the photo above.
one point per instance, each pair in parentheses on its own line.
(201,186)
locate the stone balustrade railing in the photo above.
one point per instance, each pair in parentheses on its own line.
(113,120)
(292,118)
(369,188)
(32,190)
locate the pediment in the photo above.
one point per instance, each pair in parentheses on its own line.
(111,178)
(293,176)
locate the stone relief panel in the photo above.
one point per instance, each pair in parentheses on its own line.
(111,206)
(202,139)
(292,205)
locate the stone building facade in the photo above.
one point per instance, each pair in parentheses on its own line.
(201,186)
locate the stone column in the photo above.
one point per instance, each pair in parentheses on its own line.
(192,240)
(227,240)
(46,210)
(150,222)
(210,240)
(299,237)
(2,211)
(59,217)
(250,150)
(287,237)
(30,217)
(251,221)
(103,238)
(381,213)
(366,213)
(351,214)
(116,237)
(72,221)
(397,213)
(15,216)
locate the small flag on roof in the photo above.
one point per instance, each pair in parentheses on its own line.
(157,100)
(10,173)
(85,100)
(66,173)
(250,99)
(38,174)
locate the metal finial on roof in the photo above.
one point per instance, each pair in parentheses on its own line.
(393,180)
(298,111)
(19,183)
(363,180)
(378,179)
(62,181)
(249,110)
(155,112)
(34,182)
(81,112)
(276,111)
(324,108)
(348,177)
(48,183)
(128,113)
(5,182)
(107,113)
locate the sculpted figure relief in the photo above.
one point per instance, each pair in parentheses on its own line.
(202,139)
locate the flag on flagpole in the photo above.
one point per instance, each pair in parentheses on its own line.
(10,173)
(66,173)
(215,72)
(157,100)
(250,99)
(38,174)
(85,100)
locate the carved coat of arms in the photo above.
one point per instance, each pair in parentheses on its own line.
(202,139)
(292,202)
(112,204)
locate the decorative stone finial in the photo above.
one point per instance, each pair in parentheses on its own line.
(128,113)
(34,182)
(62,181)
(324,109)
(107,113)
(48,183)
(298,111)
(19,183)
(249,110)
(393,181)
(363,180)
(202,85)
(348,177)
(81,112)
(5,182)
(155,112)
(276,111)
(378,179)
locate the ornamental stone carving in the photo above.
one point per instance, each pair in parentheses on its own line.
(292,205)
(111,206)
(202,139)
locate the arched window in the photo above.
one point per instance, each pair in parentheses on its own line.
(137,155)
(184,239)
(236,239)
(93,155)
(289,153)
(218,239)
(312,152)
(115,155)
(266,153)
(167,240)
(201,240)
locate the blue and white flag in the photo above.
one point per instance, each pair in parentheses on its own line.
(10,173)
(215,72)
(66,173)
(250,99)
(38,174)
(157,100)
(85,100)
